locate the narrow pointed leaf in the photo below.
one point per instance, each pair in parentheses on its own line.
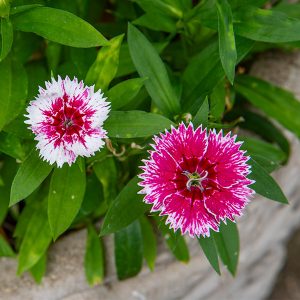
(94,257)
(7,37)
(264,184)
(126,208)
(66,193)
(30,175)
(228,245)
(39,269)
(5,248)
(59,26)
(201,117)
(227,47)
(149,65)
(129,251)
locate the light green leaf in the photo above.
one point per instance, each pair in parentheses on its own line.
(59,26)
(129,251)
(36,240)
(227,47)
(30,175)
(265,185)
(7,37)
(5,249)
(228,245)
(39,269)
(149,65)
(124,92)
(13,89)
(209,249)
(105,68)
(126,208)
(132,124)
(66,193)
(265,25)
(272,100)
(149,242)
(94,257)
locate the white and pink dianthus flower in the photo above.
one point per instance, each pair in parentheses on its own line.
(66,118)
(196,179)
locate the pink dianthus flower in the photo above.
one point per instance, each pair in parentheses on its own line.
(67,119)
(196,179)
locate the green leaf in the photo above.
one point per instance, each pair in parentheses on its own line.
(217,101)
(107,173)
(272,100)
(209,249)
(124,92)
(4,8)
(265,25)
(59,26)
(126,208)
(198,85)
(105,68)
(30,175)
(265,185)
(227,47)
(132,124)
(36,240)
(149,242)
(5,249)
(228,245)
(175,241)
(261,148)
(94,257)
(129,251)
(66,193)
(39,269)
(11,145)
(201,117)
(149,65)
(53,55)
(7,37)
(8,171)
(13,89)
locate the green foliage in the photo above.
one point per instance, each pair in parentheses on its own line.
(158,63)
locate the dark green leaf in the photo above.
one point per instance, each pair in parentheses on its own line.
(129,251)
(228,245)
(13,90)
(273,101)
(175,241)
(36,240)
(265,25)
(39,269)
(265,185)
(5,249)
(149,242)
(149,65)
(104,69)
(209,249)
(30,175)
(201,117)
(94,257)
(7,37)
(132,124)
(66,193)
(126,208)
(59,26)
(124,92)
(217,101)
(227,48)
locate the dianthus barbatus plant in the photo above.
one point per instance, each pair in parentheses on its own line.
(67,119)
(196,179)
